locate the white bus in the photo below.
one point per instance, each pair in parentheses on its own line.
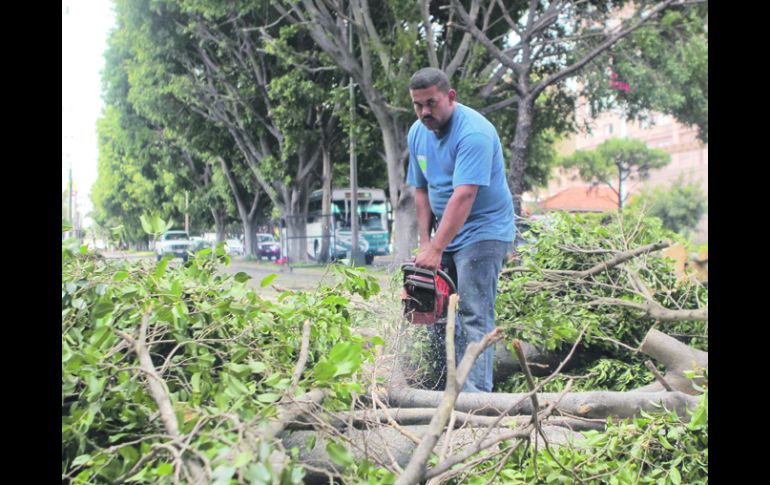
(374,217)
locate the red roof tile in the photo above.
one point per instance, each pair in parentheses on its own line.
(582,199)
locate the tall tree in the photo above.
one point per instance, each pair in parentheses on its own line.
(662,67)
(549,43)
(226,76)
(617,159)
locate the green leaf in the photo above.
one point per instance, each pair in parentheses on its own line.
(324,370)
(346,356)
(120,276)
(339,455)
(267,280)
(241,277)
(237,387)
(242,459)
(310,443)
(164,469)
(160,269)
(102,308)
(675,477)
(258,473)
(196,382)
(223,473)
(257,367)
(268,397)
(80,460)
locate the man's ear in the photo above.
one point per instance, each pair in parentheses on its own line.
(452,94)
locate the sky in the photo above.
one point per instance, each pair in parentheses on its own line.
(85,27)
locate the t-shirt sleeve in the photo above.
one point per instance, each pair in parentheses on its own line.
(473,164)
(414,175)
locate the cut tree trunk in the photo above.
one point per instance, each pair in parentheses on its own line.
(380,443)
(592,404)
(677,358)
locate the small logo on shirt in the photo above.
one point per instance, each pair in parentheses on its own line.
(423,162)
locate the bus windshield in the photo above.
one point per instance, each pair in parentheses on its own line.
(370,215)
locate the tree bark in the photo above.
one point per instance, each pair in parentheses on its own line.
(592,404)
(519,147)
(677,358)
(372,444)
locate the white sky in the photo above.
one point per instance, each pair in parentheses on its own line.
(85,26)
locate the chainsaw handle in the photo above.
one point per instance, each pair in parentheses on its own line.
(430,273)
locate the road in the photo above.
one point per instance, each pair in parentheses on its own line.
(303,278)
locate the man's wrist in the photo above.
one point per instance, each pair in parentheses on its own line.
(436,247)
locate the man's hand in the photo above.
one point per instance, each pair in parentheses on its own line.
(429,257)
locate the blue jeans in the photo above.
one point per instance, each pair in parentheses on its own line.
(475,270)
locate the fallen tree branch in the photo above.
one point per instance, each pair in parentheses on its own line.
(301,362)
(415,470)
(159,393)
(619,259)
(651,367)
(485,442)
(656,311)
(677,357)
(591,404)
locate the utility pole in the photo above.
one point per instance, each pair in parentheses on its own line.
(186,213)
(354,256)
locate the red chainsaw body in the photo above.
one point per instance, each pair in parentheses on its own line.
(425,295)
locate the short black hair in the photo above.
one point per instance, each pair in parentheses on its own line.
(430,76)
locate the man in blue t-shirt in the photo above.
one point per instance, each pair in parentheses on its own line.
(456,165)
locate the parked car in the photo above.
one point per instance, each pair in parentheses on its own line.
(268,247)
(234,247)
(175,243)
(199,243)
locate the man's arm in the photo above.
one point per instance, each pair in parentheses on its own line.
(457,210)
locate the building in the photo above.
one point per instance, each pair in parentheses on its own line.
(689,158)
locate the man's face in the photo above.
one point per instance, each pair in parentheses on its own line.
(433,107)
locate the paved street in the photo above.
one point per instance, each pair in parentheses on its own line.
(303,278)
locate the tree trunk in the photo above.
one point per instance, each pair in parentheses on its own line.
(326,206)
(401,194)
(519,147)
(405,226)
(219,222)
(379,443)
(677,358)
(592,404)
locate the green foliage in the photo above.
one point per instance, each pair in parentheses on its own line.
(154,225)
(665,65)
(551,316)
(616,159)
(226,356)
(680,206)
(654,448)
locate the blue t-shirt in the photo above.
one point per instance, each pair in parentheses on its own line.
(469,153)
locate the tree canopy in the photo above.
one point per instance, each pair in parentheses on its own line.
(616,160)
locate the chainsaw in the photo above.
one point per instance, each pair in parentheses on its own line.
(425,296)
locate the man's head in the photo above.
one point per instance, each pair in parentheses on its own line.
(432,97)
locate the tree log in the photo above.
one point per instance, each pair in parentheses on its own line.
(372,444)
(677,358)
(541,362)
(422,416)
(594,404)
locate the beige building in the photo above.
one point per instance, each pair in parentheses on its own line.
(689,156)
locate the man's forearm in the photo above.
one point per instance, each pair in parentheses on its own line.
(457,210)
